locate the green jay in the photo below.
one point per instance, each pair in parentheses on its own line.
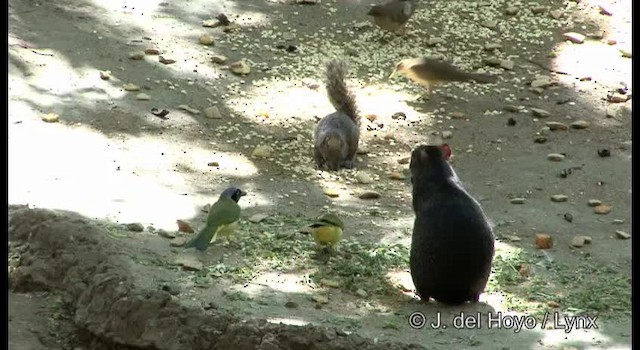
(221,219)
(327,230)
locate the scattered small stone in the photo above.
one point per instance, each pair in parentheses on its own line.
(602,209)
(371,117)
(511,122)
(240,68)
(544,131)
(369,195)
(559,198)
(188,262)
(218,59)
(152,51)
(512,108)
(189,109)
(233,27)
(544,241)
(361,293)
(618,221)
(492,61)
(540,113)
(585,79)
(256,218)
(604,10)
(617,98)
(622,235)
(457,115)
(555,157)
(397,176)
(262,151)
(538,9)
(626,53)
(179,242)
(330,283)
(332,193)
(594,202)
(447,134)
(364,178)
(50,118)
(320,299)
(574,37)
(556,14)
(553,304)
(434,41)
(404,160)
(604,153)
(580,124)
(541,81)
(540,139)
(578,241)
(538,91)
(184,226)
(131,87)
(105,75)
(134,227)
(517,201)
(166,234)
(511,11)
(206,39)
(362,149)
(512,238)
(489,23)
(210,23)
(554,126)
(291,305)
(165,60)
(213,164)
(568,217)
(492,46)
(138,55)
(399,116)
(143,97)
(212,113)
(507,64)
(160,113)
(173,289)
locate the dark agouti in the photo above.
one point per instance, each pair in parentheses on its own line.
(452,245)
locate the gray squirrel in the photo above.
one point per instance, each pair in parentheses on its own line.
(337,135)
(452,244)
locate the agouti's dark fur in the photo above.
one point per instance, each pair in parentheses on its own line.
(452,245)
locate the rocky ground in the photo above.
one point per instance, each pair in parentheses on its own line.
(110,173)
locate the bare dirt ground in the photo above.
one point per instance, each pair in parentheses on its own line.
(80,279)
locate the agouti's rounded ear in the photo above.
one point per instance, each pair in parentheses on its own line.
(446,151)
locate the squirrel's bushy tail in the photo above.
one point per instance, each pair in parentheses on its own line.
(340,96)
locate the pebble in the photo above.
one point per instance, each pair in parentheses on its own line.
(397,176)
(143,97)
(371,117)
(262,151)
(618,221)
(399,116)
(173,289)
(362,149)
(361,293)
(604,10)
(544,130)
(206,39)
(457,115)
(580,124)
(404,160)
(540,113)
(165,60)
(138,55)
(188,262)
(540,139)
(617,98)
(517,201)
(369,195)
(212,113)
(332,193)
(179,242)
(594,202)
(134,227)
(105,75)
(544,241)
(492,46)
(364,178)
(554,126)
(214,164)
(580,241)
(574,37)
(291,305)
(538,9)
(166,234)
(447,134)
(492,61)
(320,299)
(568,217)
(622,235)
(434,41)
(189,109)
(50,118)
(256,218)
(511,11)
(152,51)
(184,226)
(131,87)
(512,108)
(507,64)
(559,198)
(210,23)
(602,209)
(240,67)
(330,283)
(626,53)
(491,24)
(541,81)
(218,59)
(556,14)
(555,157)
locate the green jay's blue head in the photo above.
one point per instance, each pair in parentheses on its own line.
(233,193)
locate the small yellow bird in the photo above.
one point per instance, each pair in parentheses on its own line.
(327,230)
